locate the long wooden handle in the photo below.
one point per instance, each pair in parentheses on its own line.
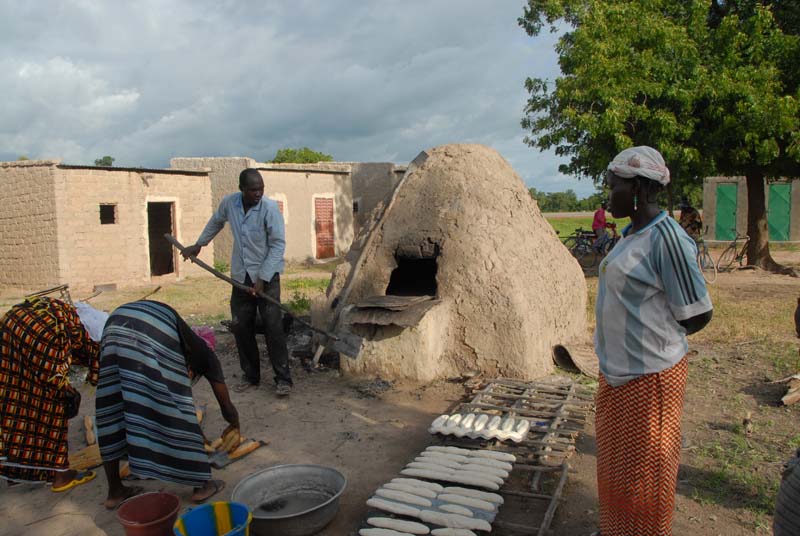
(171,239)
(344,294)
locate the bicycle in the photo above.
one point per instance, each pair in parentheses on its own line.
(705,261)
(578,234)
(732,253)
(587,249)
(580,244)
(608,242)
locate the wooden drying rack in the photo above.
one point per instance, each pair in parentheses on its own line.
(557,409)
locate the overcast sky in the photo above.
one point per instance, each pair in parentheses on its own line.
(367,81)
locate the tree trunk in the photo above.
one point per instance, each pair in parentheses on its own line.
(758,249)
(670,201)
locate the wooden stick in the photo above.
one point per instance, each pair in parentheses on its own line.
(151,293)
(527,495)
(524,413)
(538,400)
(539,396)
(583,391)
(171,239)
(354,271)
(95,294)
(551,510)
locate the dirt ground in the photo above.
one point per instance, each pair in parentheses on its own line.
(327,420)
(727,479)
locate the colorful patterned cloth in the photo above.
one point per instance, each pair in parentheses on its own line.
(692,222)
(145,409)
(638,450)
(39,340)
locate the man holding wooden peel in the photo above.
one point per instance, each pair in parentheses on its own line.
(257,261)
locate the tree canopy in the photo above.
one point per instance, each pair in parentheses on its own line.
(715,90)
(105,161)
(566,201)
(300,156)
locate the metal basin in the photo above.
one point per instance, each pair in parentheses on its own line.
(291,500)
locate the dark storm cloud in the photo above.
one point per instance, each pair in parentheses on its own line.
(363,81)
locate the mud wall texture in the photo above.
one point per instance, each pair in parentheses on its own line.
(509,289)
(118,253)
(28,225)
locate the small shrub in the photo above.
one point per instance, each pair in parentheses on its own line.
(299,304)
(221,266)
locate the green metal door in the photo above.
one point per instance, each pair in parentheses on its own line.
(725,228)
(779,212)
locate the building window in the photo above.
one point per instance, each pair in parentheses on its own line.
(108,214)
(355,206)
(283,205)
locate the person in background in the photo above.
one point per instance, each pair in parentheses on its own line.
(40,339)
(690,219)
(150,359)
(257,261)
(651,295)
(599,225)
(786,519)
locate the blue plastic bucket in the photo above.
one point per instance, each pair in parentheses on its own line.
(215,519)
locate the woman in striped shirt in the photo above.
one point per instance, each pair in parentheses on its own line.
(651,295)
(149,360)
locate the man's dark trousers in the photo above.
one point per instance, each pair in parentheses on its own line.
(243,323)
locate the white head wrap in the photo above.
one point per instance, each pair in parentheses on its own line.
(642,161)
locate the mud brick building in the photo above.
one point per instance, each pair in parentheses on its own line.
(725,208)
(323,204)
(88,226)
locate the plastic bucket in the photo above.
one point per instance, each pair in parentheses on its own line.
(149,514)
(215,519)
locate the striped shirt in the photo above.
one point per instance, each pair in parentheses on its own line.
(144,404)
(648,283)
(258,237)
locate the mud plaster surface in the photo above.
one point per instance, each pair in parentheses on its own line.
(504,302)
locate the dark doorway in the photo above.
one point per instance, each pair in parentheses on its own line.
(413,277)
(159,222)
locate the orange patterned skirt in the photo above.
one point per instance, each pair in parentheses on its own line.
(638,452)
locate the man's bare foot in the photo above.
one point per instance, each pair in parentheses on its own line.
(211,488)
(112,503)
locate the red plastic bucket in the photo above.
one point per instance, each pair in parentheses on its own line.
(149,514)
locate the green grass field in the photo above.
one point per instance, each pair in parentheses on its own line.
(567,226)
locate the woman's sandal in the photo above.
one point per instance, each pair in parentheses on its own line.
(219,485)
(80,478)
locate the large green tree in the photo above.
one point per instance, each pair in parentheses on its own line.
(712,91)
(751,120)
(300,156)
(104,161)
